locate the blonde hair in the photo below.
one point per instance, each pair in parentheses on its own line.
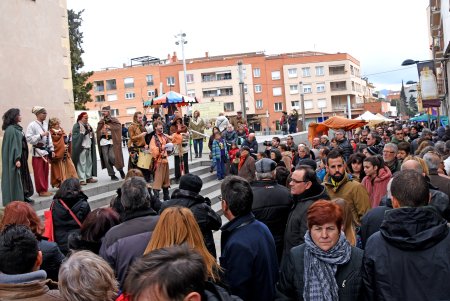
(348,223)
(52,122)
(421,162)
(177,226)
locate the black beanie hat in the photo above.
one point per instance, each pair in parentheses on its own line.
(191,182)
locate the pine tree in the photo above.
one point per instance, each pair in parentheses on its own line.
(413,105)
(403,101)
(81,87)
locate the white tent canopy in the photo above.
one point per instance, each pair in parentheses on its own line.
(384,118)
(367,116)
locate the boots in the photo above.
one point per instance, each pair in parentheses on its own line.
(166,193)
(156,193)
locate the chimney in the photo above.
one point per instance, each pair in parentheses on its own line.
(168,57)
(124,65)
(206,54)
(174,57)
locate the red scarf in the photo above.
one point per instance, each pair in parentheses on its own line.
(241,161)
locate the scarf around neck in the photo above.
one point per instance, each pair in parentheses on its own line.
(320,268)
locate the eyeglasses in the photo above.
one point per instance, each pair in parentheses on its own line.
(388,152)
(297,181)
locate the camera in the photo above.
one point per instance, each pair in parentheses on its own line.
(267,143)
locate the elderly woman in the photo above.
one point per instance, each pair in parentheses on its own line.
(326,266)
(85,276)
(197,125)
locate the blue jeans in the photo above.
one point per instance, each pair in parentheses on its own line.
(198,146)
(220,169)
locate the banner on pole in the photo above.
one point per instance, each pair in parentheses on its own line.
(428,84)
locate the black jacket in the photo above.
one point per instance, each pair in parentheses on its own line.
(253,145)
(408,258)
(271,205)
(63,222)
(214,292)
(207,219)
(120,245)
(296,226)
(348,276)
(51,258)
(346,147)
(77,243)
(116,203)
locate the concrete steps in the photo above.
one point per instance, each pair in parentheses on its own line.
(100,194)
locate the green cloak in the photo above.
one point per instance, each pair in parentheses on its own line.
(12,189)
(77,140)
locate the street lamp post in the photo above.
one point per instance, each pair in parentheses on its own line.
(302,104)
(182,41)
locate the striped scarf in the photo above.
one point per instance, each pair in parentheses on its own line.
(320,269)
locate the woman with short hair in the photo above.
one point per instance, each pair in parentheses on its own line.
(326,266)
(85,276)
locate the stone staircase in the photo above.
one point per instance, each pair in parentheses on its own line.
(100,194)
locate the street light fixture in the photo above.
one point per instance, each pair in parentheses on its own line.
(409,62)
(182,40)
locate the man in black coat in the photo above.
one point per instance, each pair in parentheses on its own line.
(187,195)
(305,189)
(343,143)
(271,201)
(408,258)
(252,144)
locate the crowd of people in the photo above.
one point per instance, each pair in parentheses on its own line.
(358,218)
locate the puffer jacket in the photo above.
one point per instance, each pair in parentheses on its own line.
(271,205)
(346,147)
(208,220)
(348,277)
(63,222)
(377,187)
(408,258)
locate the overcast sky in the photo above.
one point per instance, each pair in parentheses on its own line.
(380,34)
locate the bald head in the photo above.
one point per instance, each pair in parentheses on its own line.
(251,136)
(412,165)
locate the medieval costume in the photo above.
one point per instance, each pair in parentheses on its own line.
(136,144)
(38,136)
(16,182)
(109,140)
(62,166)
(160,164)
(84,156)
(181,148)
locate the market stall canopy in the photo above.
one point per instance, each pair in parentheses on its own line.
(385,118)
(368,116)
(335,122)
(169,98)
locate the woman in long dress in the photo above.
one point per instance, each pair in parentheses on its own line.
(62,167)
(16,180)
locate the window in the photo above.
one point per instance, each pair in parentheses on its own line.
(223,75)
(111,84)
(245,88)
(128,82)
(258,88)
(256,72)
(131,110)
(308,104)
(276,91)
(322,103)
(320,71)
(171,81)
(149,79)
(191,93)
(115,112)
(151,93)
(306,72)
(295,104)
(259,104)
(307,89)
(189,78)
(111,97)
(320,87)
(99,86)
(276,75)
(292,72)
(228,106)
(352,71)
(278,106)
(129,95)
(293,89)
(99,98)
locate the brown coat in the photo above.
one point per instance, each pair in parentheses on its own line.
(116,133)
(248,169)
(62,167)
(353,193)
(31,291)
(134,130)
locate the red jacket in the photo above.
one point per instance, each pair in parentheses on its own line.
(377,187)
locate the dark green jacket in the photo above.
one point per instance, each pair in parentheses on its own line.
(12,189)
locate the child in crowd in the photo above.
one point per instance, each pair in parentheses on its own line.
(233,154)
(219,155)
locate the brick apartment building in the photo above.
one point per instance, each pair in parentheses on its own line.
(271,84)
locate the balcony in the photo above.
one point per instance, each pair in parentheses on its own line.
(216,76)
(338,86)
(337,70)
(343,107)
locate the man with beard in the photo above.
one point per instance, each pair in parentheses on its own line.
(109,140)
(339,185)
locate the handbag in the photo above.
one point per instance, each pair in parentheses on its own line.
(71,212)
(144,160)
(48,230)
